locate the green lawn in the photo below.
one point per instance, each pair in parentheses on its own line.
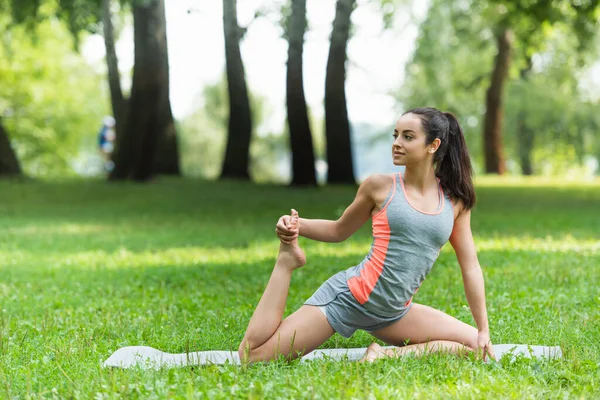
(89,267)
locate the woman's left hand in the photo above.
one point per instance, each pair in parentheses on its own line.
(484,345)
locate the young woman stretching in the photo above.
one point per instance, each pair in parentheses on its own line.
(413,215)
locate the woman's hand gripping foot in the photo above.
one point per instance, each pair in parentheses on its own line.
(290,254)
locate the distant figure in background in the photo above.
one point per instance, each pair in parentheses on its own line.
(106,142)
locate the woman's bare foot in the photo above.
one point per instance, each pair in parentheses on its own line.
(374,352)
(291,255)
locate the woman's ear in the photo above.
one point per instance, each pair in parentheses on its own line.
(433,146)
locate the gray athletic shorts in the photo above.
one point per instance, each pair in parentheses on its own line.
(344,313)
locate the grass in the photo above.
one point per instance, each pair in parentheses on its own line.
(88,267)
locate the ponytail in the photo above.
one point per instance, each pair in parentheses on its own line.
(454,169)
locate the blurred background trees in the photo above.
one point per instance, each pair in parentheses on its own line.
(517,75)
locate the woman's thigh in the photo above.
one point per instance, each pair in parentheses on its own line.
(302,332)
(423,324)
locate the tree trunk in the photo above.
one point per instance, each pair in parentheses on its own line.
(237,153)
(303,157)
(525,137)
(9,163)
(492,134)
(337,126)
(119,104)
(137,145)
(167,156)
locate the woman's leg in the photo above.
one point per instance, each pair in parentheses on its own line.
(267,336)
(425,329)
(375,351)
(297,335)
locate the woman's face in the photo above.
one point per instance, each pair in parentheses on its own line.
(409,147)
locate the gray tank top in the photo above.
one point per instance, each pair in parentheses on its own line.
(406,243)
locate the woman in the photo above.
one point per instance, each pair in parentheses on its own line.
(413,215)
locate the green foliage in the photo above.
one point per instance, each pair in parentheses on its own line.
(78,15)
(51,101)
(524,17)
(25,10)
(89,267)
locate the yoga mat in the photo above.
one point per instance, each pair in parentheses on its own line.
(151,358)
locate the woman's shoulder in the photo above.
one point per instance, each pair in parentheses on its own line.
(458,206)
(378,181)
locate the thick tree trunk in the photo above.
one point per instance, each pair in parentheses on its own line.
(137,145)
(167,156)
(119,104)
(337,126)
(303,157)
(492,133)
(525,137)
(237,153)
(9,163)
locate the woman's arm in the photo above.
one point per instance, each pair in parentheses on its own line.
(351,220)
(464,246)
(354,216)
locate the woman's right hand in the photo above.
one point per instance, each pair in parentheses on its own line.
(285,232)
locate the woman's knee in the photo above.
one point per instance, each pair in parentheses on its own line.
(248,354)
(244,350)
(263,353)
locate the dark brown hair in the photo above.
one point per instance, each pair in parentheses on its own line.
(452,161)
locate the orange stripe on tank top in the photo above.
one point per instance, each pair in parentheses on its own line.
(362,286)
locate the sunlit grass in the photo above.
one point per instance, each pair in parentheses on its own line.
(88,267)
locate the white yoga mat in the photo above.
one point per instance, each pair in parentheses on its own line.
(151,358)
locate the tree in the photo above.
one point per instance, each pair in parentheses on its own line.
(492,138)
(138,145)
(524,20)
(303,157)
(85,15)
(165,156)
(166,159)
(9,163)
(237,152)
(337,125)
